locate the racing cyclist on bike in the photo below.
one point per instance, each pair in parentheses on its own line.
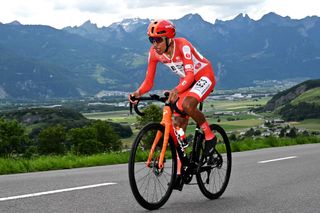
(196,76)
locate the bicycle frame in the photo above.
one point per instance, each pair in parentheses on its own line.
(169,130)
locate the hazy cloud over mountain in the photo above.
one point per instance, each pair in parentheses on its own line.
(62,13)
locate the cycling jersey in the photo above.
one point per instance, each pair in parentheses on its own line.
(186,62)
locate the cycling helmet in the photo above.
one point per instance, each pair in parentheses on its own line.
(161,28)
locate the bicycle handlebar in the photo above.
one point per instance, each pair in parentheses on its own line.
(153,97)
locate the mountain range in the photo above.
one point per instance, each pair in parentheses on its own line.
(38,61)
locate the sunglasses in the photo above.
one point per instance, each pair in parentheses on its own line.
(158,40)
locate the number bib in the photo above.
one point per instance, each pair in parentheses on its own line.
(201,86)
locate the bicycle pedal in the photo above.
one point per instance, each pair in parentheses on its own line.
(185,146)
(178,184)
(191,184)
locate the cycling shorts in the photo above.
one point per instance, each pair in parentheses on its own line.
(200,90)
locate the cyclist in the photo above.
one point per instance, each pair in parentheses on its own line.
(196,76)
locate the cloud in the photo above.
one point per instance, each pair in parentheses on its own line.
(208,9)
(96,6)
(60,13)
(103,6)
(191,3)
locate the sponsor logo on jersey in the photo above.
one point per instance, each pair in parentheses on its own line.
(177,68)
(186,52)
(188,66)
(198,65)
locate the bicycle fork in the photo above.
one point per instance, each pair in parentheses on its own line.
(167,123)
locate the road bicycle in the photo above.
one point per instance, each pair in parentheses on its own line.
(156,153)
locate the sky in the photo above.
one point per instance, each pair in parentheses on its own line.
(62,13)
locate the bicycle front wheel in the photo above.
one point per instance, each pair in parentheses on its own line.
(151,186)
(213,179)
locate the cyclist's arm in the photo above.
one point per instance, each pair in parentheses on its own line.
(147,84)
(186,82)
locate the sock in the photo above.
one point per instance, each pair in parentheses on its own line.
(179,165)
(208,134)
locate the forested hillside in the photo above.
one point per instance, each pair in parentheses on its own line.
(297,103)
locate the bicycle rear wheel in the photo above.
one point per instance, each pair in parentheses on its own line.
(150,185)
(213,179)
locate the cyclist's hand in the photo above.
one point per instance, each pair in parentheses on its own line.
(173,97)
(135,94)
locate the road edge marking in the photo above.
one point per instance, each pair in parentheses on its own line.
(55,191)
(277,159)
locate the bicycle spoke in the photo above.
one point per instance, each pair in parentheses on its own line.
(142,168)
(146,189)
(166,173)
(144,180)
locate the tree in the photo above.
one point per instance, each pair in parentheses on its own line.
(13,138)
(292,133)
(268,124)
(52,140)
(249,133)
(97,138)
(83,141)
(153,113)
(257,132)
(124,131)
(282,132)
(233,137)
(107,136)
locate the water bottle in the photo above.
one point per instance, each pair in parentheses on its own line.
(181,137)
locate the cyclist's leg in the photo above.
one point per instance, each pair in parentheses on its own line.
(180,122)
(198,93)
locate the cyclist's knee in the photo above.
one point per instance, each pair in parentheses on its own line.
(189,104)
(180,122)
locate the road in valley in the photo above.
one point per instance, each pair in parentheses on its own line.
(285,179)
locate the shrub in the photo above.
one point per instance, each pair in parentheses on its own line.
(52,140)
(97,138)
(153,113)
(13,139)
(78,137)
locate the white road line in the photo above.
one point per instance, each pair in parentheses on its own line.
(54,191)
(277,159)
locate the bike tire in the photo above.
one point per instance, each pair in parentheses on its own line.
(213,180)
(150,186)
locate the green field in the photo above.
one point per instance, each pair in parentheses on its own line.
(234,105)
(114,116)
(310,124)
(241,121)
(310,96)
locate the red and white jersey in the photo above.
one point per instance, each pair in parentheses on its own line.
(185,59)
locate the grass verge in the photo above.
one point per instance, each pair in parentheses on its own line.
(45,163)
(260,143)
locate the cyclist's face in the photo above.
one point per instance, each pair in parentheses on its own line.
(159,45)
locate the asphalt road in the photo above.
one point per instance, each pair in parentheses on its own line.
(282,180)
